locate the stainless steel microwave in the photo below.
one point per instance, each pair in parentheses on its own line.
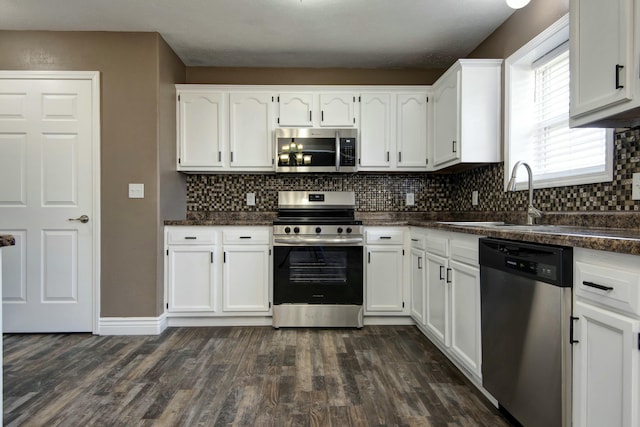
(316,150)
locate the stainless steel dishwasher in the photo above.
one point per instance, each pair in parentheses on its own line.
(526,292)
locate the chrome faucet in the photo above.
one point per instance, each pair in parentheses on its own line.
(511,186)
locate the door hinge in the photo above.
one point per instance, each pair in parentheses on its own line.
(278,98)
(278,120)
(354,99)
(167,305)
(359,99)
(571,340)
(427,99)
(178,97)
(167,251)
(211,257)
(179,160)
(402,304)
(427,161)
(354,120)
(269,252)
(272,99)
(269,304)
(403,252)
(359,161)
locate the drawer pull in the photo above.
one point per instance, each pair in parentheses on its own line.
(595,285)
(190,237)
(414,240)
(385,237)
(245,237)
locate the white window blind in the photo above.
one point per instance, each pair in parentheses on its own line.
(557,151)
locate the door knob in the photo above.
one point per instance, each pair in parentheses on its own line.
(82,218)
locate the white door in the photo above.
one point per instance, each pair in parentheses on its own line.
(375,131)
(192,278)
(465,315)
(384,279)
(251,125)
(295,109)
(245,279)
(446,144)
(48,144)
(411,128)
(417,285)
(437,297)
(337,110)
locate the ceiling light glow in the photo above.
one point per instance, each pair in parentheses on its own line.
(517,4)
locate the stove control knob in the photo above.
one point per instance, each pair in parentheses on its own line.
(296,229)
(349,230)
(318,230)
(287,230)
(339,230)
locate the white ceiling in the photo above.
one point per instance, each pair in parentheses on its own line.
(282,33)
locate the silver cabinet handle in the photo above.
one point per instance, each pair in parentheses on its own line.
(82,218)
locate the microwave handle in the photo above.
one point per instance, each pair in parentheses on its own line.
(337,151)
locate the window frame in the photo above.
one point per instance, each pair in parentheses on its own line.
(519,108)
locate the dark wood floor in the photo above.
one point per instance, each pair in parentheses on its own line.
(247,376)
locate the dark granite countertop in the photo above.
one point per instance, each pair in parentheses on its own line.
(7,240)
(614,232)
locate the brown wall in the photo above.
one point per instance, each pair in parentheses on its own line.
(312,76)
(523,25)
(128,65)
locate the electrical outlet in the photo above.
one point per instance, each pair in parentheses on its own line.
(251,199)
(411,200)
(474,198)
(635,186)
(136,191)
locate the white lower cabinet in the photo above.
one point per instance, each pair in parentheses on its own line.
(246,271)
(191,281)
(606,351)
(384,277)
(452,297)
(217,271)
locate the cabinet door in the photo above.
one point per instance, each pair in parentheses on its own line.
(606,379)
(601,43)
(465,315)
(437,297)
(245,279)
(384,290)
(446,146)
(375,131)
(191,278)
(337,110)
(411,128)
(201,130)
(417,285)
(251,124)
(295,109)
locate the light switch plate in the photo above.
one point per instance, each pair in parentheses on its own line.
(474,198)
(635,186)
(136,191)
(251,199)
(411,200)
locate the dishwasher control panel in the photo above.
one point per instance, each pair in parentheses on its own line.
(538,269)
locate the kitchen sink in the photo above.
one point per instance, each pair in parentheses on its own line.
(541,228)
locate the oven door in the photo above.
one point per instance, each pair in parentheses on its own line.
(318,275)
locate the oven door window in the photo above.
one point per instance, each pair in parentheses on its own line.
(318,274)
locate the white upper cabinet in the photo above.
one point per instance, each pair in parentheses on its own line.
(250,133)
(201,128)
(411,131)
(466,114)
(375,131)
(605,74)
(337,110)
(295,109)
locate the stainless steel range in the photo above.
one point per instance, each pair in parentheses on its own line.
(318,260)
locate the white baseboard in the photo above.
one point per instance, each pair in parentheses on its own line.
(388,320)
(132,325)
(187,321)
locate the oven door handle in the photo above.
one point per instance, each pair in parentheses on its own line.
(315,241)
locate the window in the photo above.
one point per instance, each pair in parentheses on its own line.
(537,117)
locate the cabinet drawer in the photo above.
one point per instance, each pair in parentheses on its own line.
(190,235)
(417,241)
(436,245)
(246,236)
(612,287)
(385,237)
(464,248)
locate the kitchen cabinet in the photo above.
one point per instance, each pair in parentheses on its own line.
(384,276)
(452,295)
(466,114)
(418,278)
(411,131)
(191,270)
(606,349)
(317,109)
(250,131)
(246,271)
(202,130)
(394,131)
(604,61)
(337,110)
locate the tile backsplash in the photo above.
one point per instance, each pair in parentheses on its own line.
(381,192)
